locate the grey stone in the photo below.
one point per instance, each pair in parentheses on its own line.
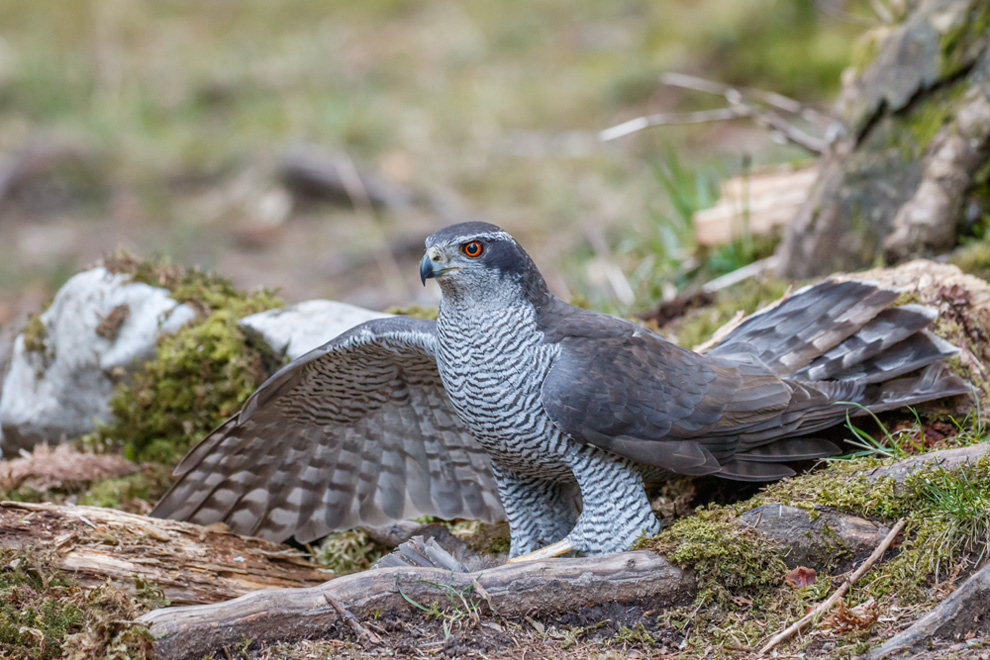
(302,327)
(99,326)
(828,537)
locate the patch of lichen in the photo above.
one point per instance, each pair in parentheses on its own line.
(698,325)
(349,551)
(415,311)
(45,614)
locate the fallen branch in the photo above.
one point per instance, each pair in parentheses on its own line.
(962,609)
(827,604)
(514,590)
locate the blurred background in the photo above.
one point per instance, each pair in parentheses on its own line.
(311,146)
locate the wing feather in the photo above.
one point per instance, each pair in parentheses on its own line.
(356,432)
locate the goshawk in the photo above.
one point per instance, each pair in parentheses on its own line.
(517,405)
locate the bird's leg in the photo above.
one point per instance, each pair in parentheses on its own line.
(615,509)
(539,511)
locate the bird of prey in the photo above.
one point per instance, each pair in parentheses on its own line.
(516,405)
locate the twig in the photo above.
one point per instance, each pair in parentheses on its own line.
(735,94)
(826,605)
(352,621)
(739,106)
(790,132)
(966,601)
(669,118)
(741,274)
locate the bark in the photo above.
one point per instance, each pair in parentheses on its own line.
(511,590)
(191,564)
(912,135)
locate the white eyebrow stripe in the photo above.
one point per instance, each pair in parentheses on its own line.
(497,235)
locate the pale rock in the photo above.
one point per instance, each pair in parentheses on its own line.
(61,392)
(302,327)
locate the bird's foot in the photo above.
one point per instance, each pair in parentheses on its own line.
(553,550)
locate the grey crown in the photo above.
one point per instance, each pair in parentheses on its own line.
(517,405)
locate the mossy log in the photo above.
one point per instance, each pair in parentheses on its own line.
(189,563)
(907,166)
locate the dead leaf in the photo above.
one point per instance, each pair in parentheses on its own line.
(742,601)
(843,620)
(802,576)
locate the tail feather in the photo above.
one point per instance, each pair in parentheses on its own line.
(805,325)
(841,349)
(741,470)
(887,328)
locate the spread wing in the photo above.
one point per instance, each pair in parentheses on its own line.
(625,389)
(356,432)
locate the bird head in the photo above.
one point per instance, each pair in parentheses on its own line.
(480,258)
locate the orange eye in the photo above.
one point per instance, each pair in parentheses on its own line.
(472,249)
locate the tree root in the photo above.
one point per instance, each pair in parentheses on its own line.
(961,611)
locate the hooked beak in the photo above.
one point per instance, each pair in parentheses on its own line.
(427,269)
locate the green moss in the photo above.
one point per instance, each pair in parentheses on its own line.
(914,129)
(742,594)
(128,493)
(36,339)
(485,539)
(199,376)
(415,311)
(947,512)
(957,43)
(729,560)
(45,614)
(865,51)
(973,258)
